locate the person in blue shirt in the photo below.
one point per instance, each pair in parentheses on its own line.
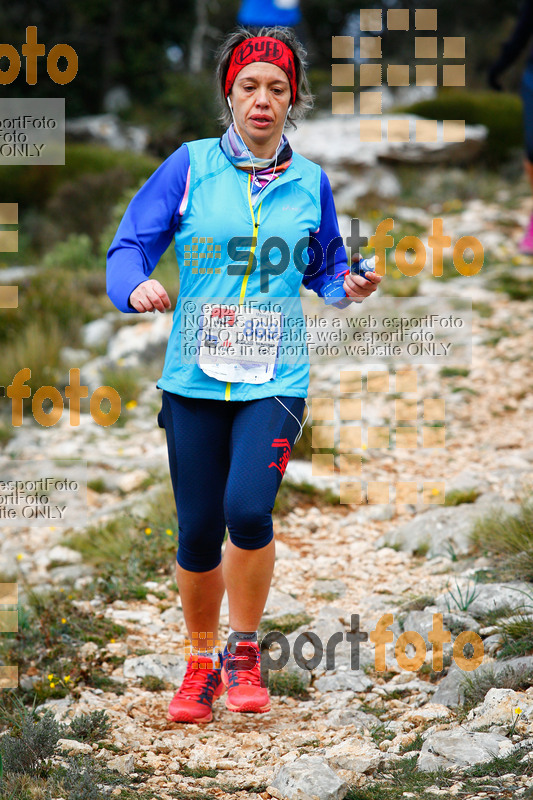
(256,13)
(231,415)
(510,51)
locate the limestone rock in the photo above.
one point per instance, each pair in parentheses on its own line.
(355,754)
(450,691)
(355,680)
(428,713)
(441,527)
(97,333)
(74,747)
(123,764)
(108,129)
(498,708)
(309,778)
(166,666)
(143,341)
(64,555)
(334,587)
(341,717)
(280,603)
(490,597)
(59,708)
(346,149)
(461,748)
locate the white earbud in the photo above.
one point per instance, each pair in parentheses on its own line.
(228,98)
(289,108)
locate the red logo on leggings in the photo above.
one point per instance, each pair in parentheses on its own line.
(284,458)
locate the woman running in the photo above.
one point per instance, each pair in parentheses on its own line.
(232,414)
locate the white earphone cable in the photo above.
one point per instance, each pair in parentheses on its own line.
(254,198)
(295,417)
(257,195)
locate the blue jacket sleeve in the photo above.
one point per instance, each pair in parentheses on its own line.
(518,39)
(146,229)
(327,254)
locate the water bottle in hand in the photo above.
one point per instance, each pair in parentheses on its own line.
(363,266)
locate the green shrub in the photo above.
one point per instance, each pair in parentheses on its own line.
(418,603)
(97,485)
(153,684)
(198,772)
(50,633)
(83,205)
(36,350)
(517,635)
(320,83)
(501,113)
(126,552)
(291,494)
(54,304)
(400,286)
(510,538)
(188,100)
(35,742)
(457,497)
(454,372)
(79,779)
(74,253)
(55,297)
(516,286)
(285,624)
(285,683)
(90,727)
(126,381)
(31,185)
(476,686)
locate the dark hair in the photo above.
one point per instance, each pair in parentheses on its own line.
(303,100)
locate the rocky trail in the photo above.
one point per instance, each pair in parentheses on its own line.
(345,730)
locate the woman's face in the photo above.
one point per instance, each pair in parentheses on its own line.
(260,97)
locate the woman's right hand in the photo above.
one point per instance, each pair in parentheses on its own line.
(149,296)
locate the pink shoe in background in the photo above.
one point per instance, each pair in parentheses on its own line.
(526,245)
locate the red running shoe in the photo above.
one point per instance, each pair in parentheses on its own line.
(241,673)
(201,685)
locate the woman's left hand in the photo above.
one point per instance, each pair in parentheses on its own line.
(357,287)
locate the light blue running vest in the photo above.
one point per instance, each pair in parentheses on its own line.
(218,209)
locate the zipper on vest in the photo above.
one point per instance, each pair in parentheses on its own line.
(250,261)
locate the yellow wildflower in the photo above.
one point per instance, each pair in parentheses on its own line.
(148,531)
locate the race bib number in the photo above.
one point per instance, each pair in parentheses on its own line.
(238,343)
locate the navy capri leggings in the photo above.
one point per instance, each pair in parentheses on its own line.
(227,460)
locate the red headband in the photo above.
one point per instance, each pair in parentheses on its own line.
(261,48)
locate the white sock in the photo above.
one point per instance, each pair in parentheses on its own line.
(212,654)
(242,636)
